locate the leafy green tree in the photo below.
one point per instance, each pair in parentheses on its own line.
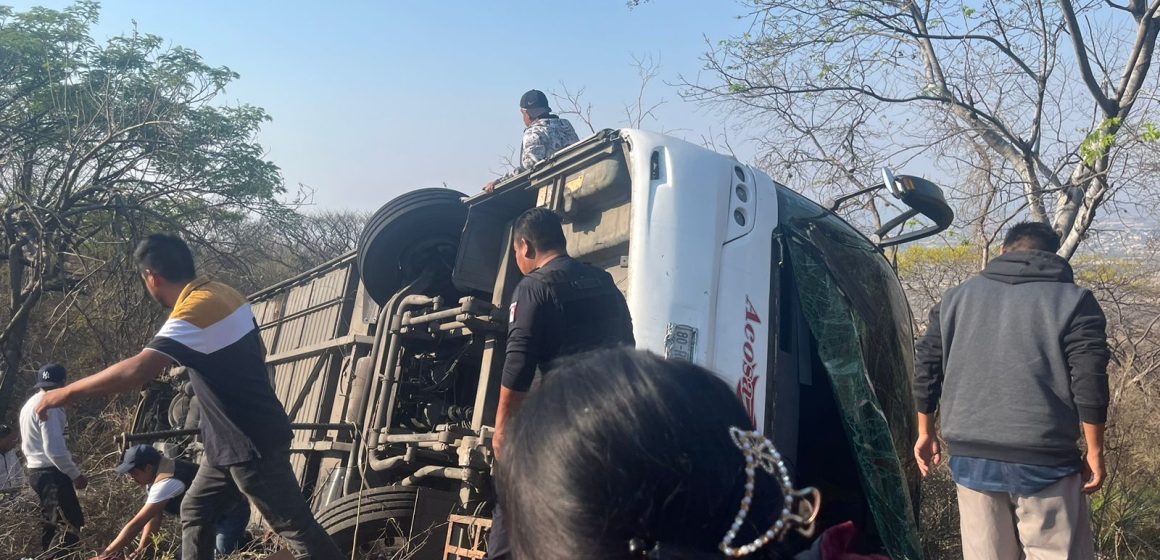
(101,143)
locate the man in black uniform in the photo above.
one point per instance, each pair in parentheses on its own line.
(561,307)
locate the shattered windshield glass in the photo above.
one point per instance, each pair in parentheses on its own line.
(855,308)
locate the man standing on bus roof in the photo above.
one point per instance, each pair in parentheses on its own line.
(561,307)
(544,133)
(212,331)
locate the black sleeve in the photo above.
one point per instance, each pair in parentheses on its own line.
(528,317)
(1086,346)
(928,366)
(626,327)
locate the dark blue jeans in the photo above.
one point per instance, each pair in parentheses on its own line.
(230,529)
(498,544)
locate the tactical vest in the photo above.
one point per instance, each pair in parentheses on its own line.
(183,471)
(592,307)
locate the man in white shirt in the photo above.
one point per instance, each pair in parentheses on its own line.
(166,481)
(52,473)
(11,472)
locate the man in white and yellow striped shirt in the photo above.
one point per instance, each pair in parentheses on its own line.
(246,432)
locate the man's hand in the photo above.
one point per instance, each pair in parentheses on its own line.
(1093,461)
(128,374)
(927,451)
(490,186)
(510,401)
(1093,471)
(55,398)
(80,482)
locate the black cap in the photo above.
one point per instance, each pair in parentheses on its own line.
(536,103)
(137,457)
(51,376)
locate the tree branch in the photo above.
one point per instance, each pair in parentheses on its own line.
(1109,108)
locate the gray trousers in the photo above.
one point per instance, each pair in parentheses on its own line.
(270,486)
(1050,524)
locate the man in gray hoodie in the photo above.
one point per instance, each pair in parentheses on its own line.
(1016,358)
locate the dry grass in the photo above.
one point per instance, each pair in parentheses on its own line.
(939,521)
(110,499)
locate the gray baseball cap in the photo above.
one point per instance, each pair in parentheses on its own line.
(137,457)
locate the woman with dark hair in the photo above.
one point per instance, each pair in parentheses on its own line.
(622,455)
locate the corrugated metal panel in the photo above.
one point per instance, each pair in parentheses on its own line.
(302,314)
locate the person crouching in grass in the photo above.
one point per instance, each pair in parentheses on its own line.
(166,481)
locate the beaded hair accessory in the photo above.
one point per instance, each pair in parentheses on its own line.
(760,453)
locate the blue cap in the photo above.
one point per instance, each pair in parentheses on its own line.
(137,457)
(51,376)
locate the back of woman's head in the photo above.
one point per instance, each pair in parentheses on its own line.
(618,445)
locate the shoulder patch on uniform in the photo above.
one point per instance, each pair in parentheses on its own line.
(512,312)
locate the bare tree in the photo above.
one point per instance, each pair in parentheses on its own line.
(638,112)
(257,253)
(643,109)
(1057,91)
(572,103)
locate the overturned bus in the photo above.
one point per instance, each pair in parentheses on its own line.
(388,359)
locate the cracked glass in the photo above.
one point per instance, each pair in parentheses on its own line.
(856,310)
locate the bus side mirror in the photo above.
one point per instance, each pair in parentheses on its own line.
(922,197)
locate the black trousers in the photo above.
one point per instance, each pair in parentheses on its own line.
(59,508)
(498,544)
(270,485)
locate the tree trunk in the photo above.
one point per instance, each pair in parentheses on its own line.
(11,358)
(22,301)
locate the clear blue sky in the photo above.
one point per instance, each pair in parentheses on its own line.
(374,98)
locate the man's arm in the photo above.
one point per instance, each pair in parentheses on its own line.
(629,336)
(1086,346)
(509,403)
(56,448)
(126,375)
(629,339)
(526,323)
(145,544)
(527,159)
(535,148)
(519,370)
(927,388)
(144,523)
(1093,468)
(928,367)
